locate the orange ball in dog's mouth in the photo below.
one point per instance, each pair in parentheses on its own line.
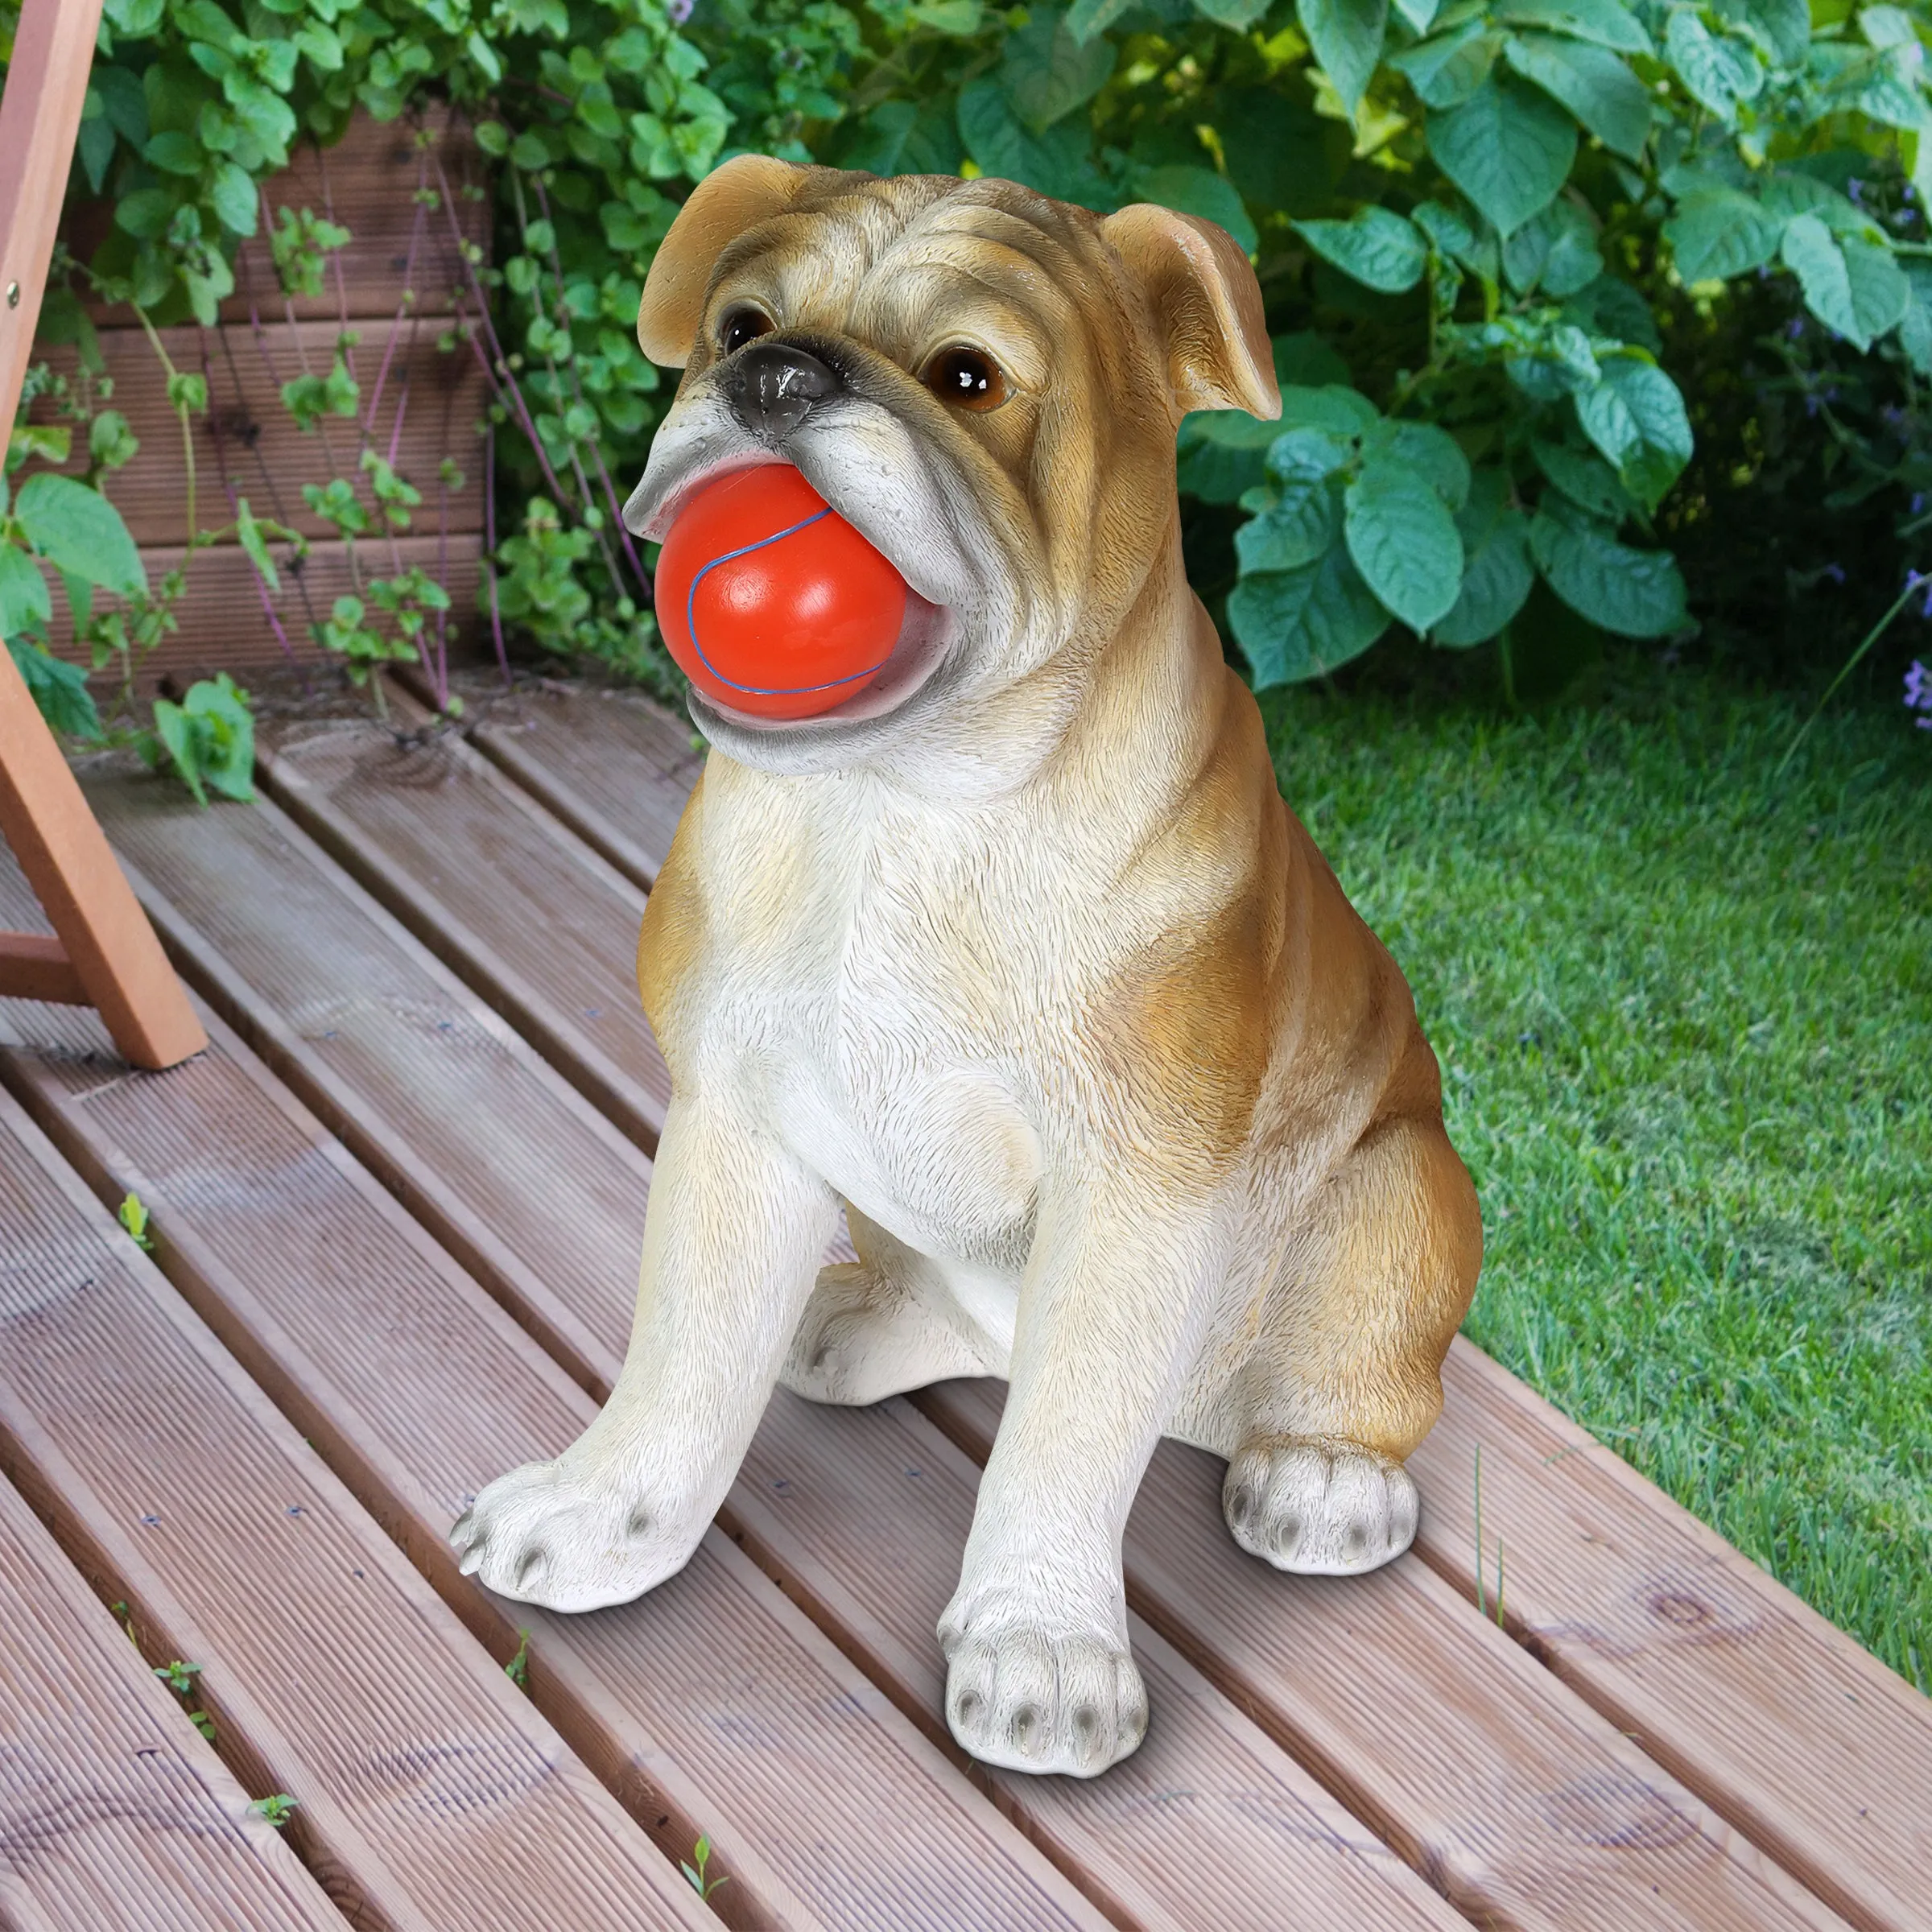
(772,603)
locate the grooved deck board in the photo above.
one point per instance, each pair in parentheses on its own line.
(864,1513)
(1513,1796)
(1715,1668)
(712,1698)
(431,1791)
(1649,1615)
(114,1815)
(612,766)
(1480,1806)
(445,839)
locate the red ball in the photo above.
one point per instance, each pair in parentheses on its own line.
(771,601)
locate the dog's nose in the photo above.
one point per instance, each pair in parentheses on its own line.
(773,387)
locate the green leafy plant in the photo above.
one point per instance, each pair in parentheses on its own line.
(132,1213)
(518,1669)
(694,1869)
(1639,261)
(277,1809)
(208,739)
(179,1677)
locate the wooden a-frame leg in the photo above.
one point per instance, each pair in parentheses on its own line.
(106,955)
(112,959)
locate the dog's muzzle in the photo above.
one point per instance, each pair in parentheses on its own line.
(773,387)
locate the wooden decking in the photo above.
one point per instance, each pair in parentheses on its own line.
(395,1213)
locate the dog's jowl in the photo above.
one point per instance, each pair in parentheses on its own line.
(1017,956)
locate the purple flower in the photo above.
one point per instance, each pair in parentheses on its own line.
(1834,571)
(1856,188)
(677,12)
(1918,502)
(1919,693)
(1795,327)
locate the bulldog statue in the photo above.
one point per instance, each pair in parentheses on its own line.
(1017,956)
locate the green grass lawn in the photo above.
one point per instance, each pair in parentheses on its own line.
(1684,1011)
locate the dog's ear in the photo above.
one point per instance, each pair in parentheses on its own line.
(729,200)
(1207,308)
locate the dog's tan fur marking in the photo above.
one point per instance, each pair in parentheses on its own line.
(1030,965)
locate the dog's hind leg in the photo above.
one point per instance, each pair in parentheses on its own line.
(882,1325)
(1345,1377)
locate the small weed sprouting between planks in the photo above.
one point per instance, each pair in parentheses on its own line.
(133,1215)
(179,1677)
(518,1669)
(1482,1606)
(699,1884)
(277,1809)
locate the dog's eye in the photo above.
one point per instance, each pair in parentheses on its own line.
(966,377)
(742,325)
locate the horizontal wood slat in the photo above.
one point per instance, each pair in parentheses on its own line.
(431,1791)
(611,765)
(35,966)
(428,408)
(1649,1614)
(114,1813)
(1467,1805)
(368,181)
(712,1705)
(224,625)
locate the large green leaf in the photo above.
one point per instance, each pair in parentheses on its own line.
(1498,574)
(1556,252)
(1636,594)
(1719,70)
(24,602)
(78,530)
(1048,70)
(1293,625)
(1377,247)
(1346,39)
(1057,163)
(1335,407)
(1585,478)
(1403,541)
(1851,285)
(1431,452)
(1508,147)
(1786,26)
(1719,233)
(1593,83)
(1604,22)
(1635,416)
(1221,453)
(1239,14)
(1445,70)
(1298,528)
(59,690)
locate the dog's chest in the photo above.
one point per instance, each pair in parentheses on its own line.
(876,1032)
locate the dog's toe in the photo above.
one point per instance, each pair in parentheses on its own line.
(1017,1698)
(1320,1507)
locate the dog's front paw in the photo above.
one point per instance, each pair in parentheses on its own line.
(1321,1508)
(547,1534)
(1018,1697)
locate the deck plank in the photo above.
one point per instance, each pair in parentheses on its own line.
(429,1789)
(614,767)
(712,1704)
(114,1815)
(564,974)
(1512,1795)
(1802,1739)
(1645,1612)
(1486,1809)
(863,1513)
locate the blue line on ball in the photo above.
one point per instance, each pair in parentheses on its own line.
(691,621)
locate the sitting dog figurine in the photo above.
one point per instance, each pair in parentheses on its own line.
(1018,955)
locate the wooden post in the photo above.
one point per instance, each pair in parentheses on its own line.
(106,954)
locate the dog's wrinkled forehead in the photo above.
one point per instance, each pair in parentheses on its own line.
(896,263)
